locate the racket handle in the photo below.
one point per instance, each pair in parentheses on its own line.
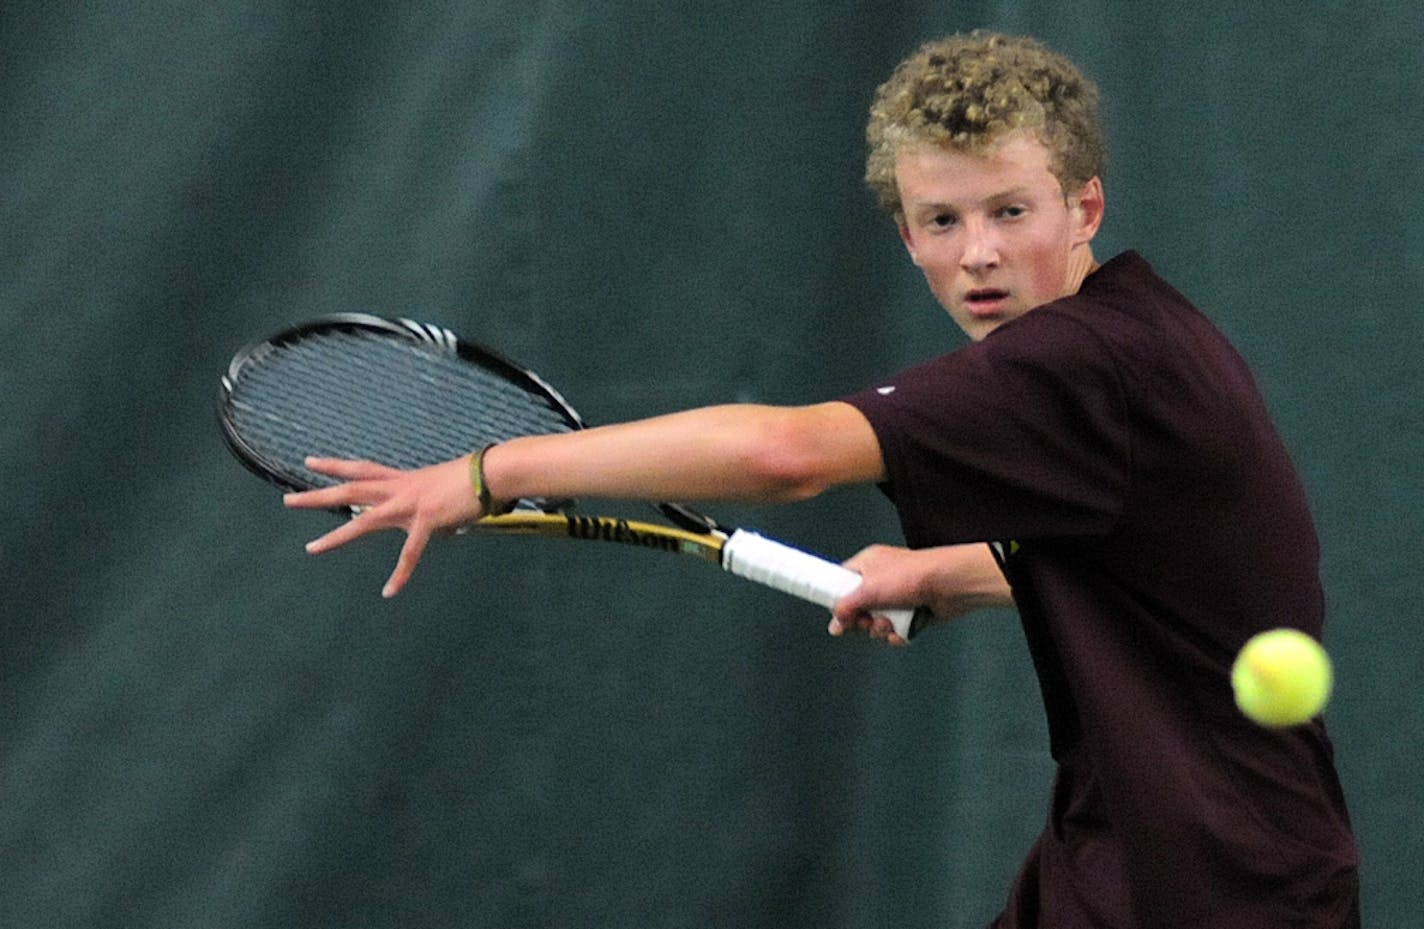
(801,574)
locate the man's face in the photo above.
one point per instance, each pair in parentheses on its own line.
(993,233)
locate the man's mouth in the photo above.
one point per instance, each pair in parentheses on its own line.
(985,300)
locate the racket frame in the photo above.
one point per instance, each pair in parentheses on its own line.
(408,329)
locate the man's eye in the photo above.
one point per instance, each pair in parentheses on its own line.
(1012,212)
(942,220)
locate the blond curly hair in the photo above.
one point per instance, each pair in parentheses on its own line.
(967,92)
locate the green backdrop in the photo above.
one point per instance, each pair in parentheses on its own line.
(657,205)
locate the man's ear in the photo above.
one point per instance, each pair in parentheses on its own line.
(907,238)
(1088,205)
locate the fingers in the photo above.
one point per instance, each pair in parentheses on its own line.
(864,624)
(419,502)
(350,469)
(353,492)
(409,557)
(417,538)
(855,613)
(348,531)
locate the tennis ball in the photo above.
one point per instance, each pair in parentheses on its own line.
(1282,677)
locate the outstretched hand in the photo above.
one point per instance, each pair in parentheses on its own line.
(421,503)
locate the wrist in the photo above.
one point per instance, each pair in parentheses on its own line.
(479,483)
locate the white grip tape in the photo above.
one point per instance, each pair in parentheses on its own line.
(801,574)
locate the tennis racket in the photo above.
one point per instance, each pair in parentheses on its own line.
(408,394)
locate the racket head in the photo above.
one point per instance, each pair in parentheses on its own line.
(359,386)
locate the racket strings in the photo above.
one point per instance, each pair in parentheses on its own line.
(403,403)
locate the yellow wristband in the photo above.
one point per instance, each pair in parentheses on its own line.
(481,487)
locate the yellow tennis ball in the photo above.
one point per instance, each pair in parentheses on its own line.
(1282,677)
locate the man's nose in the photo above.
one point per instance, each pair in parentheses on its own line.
(981,248)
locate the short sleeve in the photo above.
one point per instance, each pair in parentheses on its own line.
(1021,436)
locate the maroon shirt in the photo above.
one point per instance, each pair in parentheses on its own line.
(1120,443)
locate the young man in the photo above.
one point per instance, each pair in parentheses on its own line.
(1144,516)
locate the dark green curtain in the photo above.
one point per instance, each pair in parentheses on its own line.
(657,205)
